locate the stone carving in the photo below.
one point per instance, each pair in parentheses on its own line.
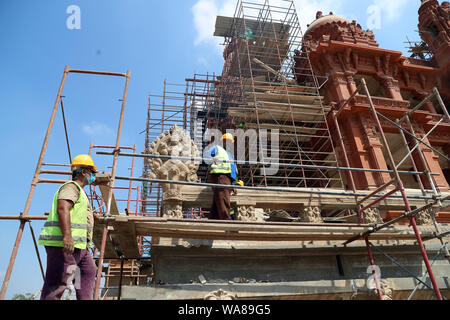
(372,216)
(386,60)
(386,290)
(311,214)
(395,71)
(424,217)
(219,295)
(423,80)
(378,63)
(406,77)
(172,209)
(355,58)
(177,143)
(246,213)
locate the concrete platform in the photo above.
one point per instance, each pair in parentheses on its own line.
(190,269)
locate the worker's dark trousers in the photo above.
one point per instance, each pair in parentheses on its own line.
(220,209)
(56,275)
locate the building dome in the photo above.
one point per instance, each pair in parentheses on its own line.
(323,20)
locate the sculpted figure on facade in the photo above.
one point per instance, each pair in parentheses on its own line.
(175,143)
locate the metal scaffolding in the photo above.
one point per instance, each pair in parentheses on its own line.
(259,89)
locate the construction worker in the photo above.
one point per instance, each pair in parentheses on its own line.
(224,173)
(67,234)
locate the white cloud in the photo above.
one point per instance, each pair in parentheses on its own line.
(205,13)
(95,128)
(391,10)
(202,62)
(307,9)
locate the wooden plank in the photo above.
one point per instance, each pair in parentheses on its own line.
(295,106)
(288,128)
(268,86)
(269,115)
(280,97)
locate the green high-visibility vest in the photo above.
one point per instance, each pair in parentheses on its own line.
(224,167)
(51,234)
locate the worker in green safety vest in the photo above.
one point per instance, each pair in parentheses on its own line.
(225,173)
(67,234)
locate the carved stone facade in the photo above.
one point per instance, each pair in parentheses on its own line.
(345,53)
(386,290)
(311,214)
(176,143)
(246,213)
(219,295)
(372,216)
(434,28)
(424,217)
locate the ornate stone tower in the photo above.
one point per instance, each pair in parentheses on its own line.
(434,28)
(344,53)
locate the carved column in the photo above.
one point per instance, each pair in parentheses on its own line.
(172,206)
(338,88)
(364,150)
(429,105)
(431,159)
(373,145)
(351,82)
(392,88)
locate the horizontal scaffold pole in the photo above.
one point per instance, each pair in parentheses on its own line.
(285,189)
(406,215)
(282,165)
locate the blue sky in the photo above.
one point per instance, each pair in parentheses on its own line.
(155,40)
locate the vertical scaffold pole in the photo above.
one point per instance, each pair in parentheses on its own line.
(351,182)
(401,188)
(111,186)
(33,186)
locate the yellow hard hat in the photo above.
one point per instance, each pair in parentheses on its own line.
(83,160)
(228,136)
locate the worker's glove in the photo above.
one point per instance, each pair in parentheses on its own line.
(68,245)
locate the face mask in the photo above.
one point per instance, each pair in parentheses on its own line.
(91,178)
